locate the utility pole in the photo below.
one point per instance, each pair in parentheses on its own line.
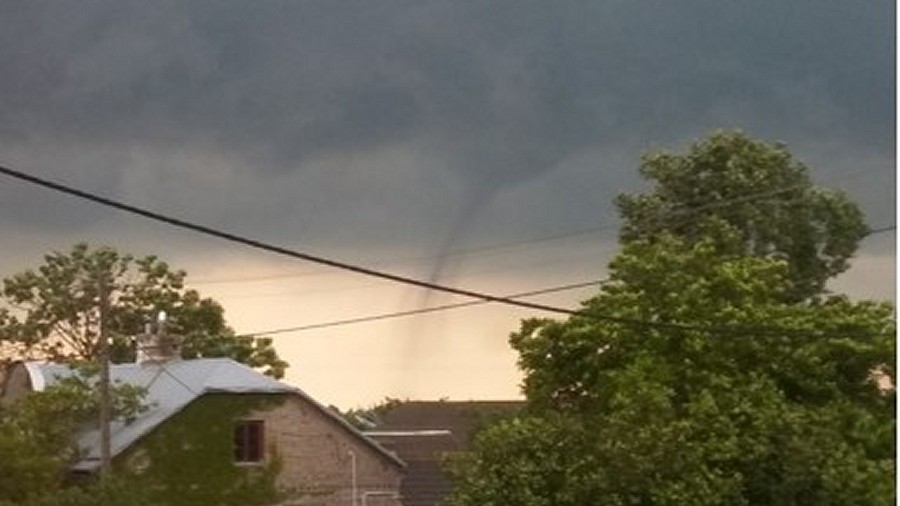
(103,349)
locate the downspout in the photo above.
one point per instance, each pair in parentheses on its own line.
(353,478)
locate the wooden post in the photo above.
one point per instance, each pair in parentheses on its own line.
(103,349)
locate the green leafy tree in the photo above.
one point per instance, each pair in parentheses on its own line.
(38,449)
(115,492)
(36,433)
(697,376)
(750,413)
(527,460)
(759,189)
(53,311)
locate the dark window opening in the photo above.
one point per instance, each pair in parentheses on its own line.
(248,441)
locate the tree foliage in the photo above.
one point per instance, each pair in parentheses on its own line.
(53,311)
(698,376)
(527,460)
(37,433)
(115,492)
(38,448)
(759,189)
(173,473)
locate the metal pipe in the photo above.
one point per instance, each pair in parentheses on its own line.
(384,493)
(352,477)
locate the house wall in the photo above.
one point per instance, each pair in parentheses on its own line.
(308,462)
(310,452)
(317,455)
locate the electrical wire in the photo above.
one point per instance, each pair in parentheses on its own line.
(411,312)
(881,230)
(412,259)
(679,212)
(272,248)
(281,250)
(445,307)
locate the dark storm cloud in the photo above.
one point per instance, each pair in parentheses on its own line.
(496,93)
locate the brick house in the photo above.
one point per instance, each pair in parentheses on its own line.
(224,426)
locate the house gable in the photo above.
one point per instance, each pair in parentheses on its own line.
(189,458)
(183,445)
(323,457)
(308,457)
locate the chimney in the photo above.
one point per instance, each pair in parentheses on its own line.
(157,347)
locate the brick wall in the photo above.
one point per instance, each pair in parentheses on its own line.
(318,454)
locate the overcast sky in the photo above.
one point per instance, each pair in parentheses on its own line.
(400,133)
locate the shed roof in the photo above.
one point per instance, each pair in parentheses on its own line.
(461,418)
(423,432)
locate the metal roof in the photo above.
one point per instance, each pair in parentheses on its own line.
(170,387)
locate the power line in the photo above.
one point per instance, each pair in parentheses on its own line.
(680,212)
(253,243)
(411,312)
(881,230)
(280,250)
(445,307)
(413,259)
(874,231)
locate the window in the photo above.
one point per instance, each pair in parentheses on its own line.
(248,441)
